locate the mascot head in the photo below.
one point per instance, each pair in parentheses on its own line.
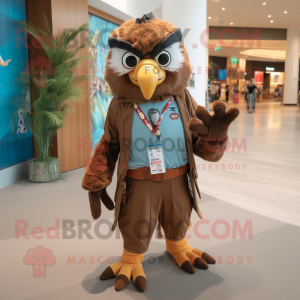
(147,61)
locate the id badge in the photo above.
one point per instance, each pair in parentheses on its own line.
(156,159)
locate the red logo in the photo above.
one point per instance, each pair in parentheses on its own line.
(174,116)
(40,68)
(39,258)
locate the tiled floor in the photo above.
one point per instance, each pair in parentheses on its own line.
(265,174)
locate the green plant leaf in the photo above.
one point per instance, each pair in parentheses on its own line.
(50,104)
(57,117)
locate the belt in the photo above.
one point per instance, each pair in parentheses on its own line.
(144,173)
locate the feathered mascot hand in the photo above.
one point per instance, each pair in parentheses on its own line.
(98,176)
(213,127)
(212,131)
(95,202)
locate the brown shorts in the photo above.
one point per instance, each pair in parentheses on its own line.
(147,201)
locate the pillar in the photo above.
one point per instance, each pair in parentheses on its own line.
(242,70)
(291,80)
(191,18)
(232,76)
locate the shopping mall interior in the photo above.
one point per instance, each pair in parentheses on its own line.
(224,223)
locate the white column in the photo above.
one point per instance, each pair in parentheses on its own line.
(242,69)
(191,14)
(291,67)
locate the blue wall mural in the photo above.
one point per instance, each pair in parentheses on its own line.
(15,137)
(100,93)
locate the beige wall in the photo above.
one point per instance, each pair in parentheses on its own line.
(72,14)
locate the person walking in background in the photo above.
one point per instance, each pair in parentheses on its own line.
(217,91)
(232,93)
(259,93)
(235,88)
(227,92)
(213,91)
(251,96)
(235,92)
(245,91)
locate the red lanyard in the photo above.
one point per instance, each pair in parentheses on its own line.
(146,121)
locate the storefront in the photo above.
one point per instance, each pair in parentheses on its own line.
(269,77)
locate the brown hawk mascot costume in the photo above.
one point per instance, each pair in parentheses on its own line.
(153,130)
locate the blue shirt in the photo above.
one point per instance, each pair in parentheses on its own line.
(172,136)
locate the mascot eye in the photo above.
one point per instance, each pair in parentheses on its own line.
(163,58)
(130,60)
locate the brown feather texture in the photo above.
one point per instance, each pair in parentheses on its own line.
(99,172)
(145,37)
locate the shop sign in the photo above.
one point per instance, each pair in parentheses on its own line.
(270,69)
(234,60)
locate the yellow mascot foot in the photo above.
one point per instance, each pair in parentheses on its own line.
(129,265)
(187,257)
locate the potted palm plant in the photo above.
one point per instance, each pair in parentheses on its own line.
(53,84)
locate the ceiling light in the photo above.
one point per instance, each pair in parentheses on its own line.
(209,17)
(269,16)
(272,21)
(231,23)
(223,8)
(285,12)
(264,3)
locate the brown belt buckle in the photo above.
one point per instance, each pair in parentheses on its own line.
(162,175)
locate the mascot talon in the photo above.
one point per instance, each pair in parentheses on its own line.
(129,266)
(187,257)
(148,72)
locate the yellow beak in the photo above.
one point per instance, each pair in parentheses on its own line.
(147,75)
